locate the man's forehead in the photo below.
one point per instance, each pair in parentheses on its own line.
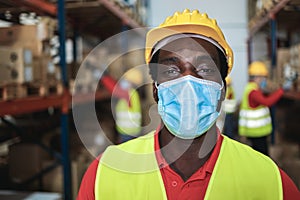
(190,40)
(187,54)
(193,44)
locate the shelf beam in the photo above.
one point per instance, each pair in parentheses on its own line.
(261,21)
(29,105)
(112,7)
(34,104)
(39,6)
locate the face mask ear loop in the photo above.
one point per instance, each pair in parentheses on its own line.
(219,97)
(222,86)
(155,84)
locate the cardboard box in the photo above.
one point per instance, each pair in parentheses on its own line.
(24,36)
(15,65)
(42,65)
(283,57)
(46,28)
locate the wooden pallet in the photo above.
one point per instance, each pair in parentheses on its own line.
(12,91)
(17,91)
(44,89)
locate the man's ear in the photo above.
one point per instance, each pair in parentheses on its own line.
(154,90)
(222,97)
(223,94)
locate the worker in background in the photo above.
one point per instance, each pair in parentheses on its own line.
(186,157)
(127,111)
(111,84)
(229,107)
(254,117)
(128,114)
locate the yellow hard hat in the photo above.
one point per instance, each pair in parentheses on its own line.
(258,68)
(134,76)
(228,80)
(188,22)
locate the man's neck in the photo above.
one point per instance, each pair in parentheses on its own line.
(187,156)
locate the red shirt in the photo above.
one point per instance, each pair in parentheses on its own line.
(256,98)
(194,188)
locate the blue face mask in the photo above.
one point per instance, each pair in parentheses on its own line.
(188,105)
(263,84)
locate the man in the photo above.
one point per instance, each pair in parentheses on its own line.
(254,118)
(186,157)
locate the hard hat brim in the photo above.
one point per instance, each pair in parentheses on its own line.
(158,34)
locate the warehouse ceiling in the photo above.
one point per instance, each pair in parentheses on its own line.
(100,18)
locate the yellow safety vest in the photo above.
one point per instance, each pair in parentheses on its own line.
(229,105)
(130,171)
(129,117)
(254,122)
(230,92)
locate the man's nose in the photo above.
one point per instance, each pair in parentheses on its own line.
(190,69)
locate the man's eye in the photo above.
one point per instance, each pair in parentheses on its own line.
(171,71)
(206,70)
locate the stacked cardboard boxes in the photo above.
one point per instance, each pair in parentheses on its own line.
(25,59)
(295,63)
(289,58)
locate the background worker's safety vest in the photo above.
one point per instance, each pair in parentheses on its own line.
(229,104)
(130,171)
(129,116)
(254,122)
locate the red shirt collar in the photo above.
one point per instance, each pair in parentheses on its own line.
(207,167)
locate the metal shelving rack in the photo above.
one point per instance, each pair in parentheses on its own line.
(276,16)
(116,18)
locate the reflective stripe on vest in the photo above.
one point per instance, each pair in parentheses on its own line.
(129,118)
(253,122)
(229,105)
(129,171)
(261,112)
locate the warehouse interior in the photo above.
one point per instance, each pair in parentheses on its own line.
(52,56)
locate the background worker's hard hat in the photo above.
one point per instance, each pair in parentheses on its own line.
(228,80)
(134,76)
(258,68)
(188,22)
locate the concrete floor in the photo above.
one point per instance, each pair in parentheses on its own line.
(286,154)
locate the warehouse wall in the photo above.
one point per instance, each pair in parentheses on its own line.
(232,17)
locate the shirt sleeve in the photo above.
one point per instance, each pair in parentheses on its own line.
(111,85)
(86,190)
(290,190)
(256,98)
